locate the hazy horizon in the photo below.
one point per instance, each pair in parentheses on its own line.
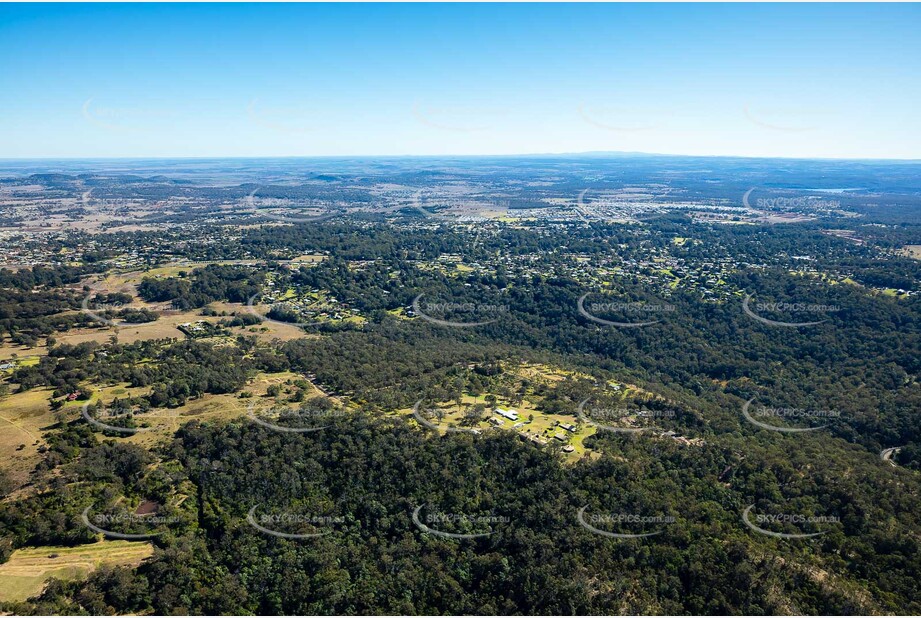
(586,154)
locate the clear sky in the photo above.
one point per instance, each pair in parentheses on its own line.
(162,80)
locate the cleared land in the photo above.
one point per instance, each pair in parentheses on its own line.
(163,328)
(912,251)
(24,575)
(22,418)
(532,423)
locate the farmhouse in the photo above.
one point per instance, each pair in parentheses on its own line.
(511,415)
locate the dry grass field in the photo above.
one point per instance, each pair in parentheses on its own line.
(24,575)
(164,422)
(164,328)
(22,417)
(912,251)
(531,421)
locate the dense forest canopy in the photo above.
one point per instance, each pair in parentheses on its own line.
(319,417)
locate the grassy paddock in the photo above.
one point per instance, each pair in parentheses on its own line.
(24,575)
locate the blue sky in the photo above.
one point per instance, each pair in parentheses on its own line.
(164,80)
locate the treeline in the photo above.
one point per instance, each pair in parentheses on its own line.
(368,475)
(205,285)
(175,371)
(34,302)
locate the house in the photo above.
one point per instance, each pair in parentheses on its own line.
(568,426)
(511,415)
(533,437)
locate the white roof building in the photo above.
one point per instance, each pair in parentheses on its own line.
(511,415)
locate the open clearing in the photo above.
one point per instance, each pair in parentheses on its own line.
(22,417)
(912,251)
(164,422)
(24,575)
(532,423)
(163,328)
